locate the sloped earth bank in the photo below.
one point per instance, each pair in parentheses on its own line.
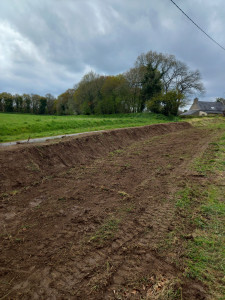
(86,218)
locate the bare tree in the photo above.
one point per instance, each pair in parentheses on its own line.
(174,73)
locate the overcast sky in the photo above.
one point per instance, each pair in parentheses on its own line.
(46,46)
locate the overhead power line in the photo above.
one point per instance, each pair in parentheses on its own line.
(212,39)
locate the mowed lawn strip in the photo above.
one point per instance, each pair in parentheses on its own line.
(14,127)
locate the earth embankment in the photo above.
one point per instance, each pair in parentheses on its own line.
(22,165)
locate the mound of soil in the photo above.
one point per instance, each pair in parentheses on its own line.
(88,218)
(23,165)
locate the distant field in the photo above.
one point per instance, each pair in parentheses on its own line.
(15,127)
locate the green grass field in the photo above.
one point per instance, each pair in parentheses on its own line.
(14,127)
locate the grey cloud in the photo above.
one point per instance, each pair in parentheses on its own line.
(61,39)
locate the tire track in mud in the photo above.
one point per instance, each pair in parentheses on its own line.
(136,238)
(137,242)
(78,274)
(99,271)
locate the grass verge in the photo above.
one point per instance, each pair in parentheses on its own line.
(202,208)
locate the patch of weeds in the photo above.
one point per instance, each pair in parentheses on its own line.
(200,222)
(202,167)
(130,209)
(15,192)
(170,291)
(70,171)
(116,152)
(127,208)
(160,288)
(4,195)
(103,188)
(159,170)
(214,143)
(184,198)
(105,232)
(207,163)
(62,199)
(136,153)
(124,167)
(215,208)
(124,195)
(35,183)
(32,166)
(18,240)
(168,242)
(96,287)
(24,227)
(169,166)
(206,257)
(47,178)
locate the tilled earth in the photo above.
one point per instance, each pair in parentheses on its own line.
(91,225)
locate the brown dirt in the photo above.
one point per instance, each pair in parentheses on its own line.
(85,218)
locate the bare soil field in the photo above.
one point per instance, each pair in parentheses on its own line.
(86,218)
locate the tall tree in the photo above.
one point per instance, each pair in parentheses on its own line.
(50,109)
(6,102)
(151,84)
(18,103)
(35,103)
(88,93)
(26,103)
(43,104)
(65,103)
(175,74)
(134,79)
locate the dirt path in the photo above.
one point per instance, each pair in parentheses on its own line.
(94,228)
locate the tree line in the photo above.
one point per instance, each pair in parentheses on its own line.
(26,103)
(157,82)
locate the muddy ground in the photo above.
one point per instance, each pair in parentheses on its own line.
(86,218)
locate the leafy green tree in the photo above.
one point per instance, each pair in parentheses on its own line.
(123,95)
(172,101)
(167,104)
(18,100)
(134,78)
(151,84)
(65,104)
(109,95)
(113,95)
(50,109)
(43,105)
(88,93)
(153,74)
(6,102)
(35,103)
(26,103)
(154,105)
